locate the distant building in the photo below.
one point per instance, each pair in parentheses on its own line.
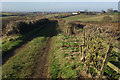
(75,13)
(115,10)
(78,12)
(103,11)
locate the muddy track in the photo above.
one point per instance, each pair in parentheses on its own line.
(42,63)
(42,69)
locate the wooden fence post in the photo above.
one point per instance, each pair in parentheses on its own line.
(84,36)
(70,30)
(105,62)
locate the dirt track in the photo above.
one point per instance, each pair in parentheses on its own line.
(42,68)
(42,60)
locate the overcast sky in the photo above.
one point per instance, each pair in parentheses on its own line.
(59,0)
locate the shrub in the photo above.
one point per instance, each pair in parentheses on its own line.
(107,19)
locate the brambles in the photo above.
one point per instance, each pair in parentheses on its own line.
(95,48)
(88,48)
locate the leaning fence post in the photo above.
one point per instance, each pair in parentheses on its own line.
(105,62)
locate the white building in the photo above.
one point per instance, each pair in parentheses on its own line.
(75,13)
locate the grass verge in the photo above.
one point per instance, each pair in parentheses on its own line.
(63,62)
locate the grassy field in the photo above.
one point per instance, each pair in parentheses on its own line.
(57,14)
(86,18)
(52,15)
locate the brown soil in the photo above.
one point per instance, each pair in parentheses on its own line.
(42,63)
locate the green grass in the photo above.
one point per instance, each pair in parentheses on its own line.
(54,66)
(109,71)
(7,13)
(60,66)
(79,17)
(10,45)
(17,40)
(96,18)
(22,64)
(87,18)
(53,15)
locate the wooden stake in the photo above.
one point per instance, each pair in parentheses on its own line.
(105,62)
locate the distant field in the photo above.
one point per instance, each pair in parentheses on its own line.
(51,15)
(7,13)
(57,14)
(85,18)
(9,17)
(11,14)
